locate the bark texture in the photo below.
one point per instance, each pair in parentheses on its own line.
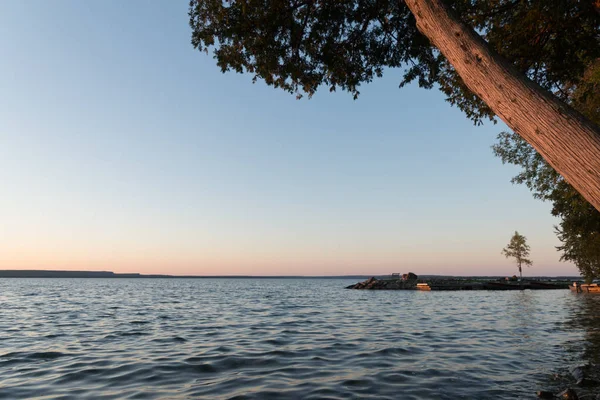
(569,142)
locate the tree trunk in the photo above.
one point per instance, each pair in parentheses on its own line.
(566,140)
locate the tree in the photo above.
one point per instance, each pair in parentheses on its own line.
(579,227)
(523,50)
(583,250)
(519,250)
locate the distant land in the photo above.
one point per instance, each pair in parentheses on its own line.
(25,273)
(28,273)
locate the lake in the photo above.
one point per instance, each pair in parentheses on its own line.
(285,338)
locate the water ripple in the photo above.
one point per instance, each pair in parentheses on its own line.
(269,338)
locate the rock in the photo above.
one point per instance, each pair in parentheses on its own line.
(409,277)
(578,374)
(543,394)
(568,394)
(387,284)
(368,284)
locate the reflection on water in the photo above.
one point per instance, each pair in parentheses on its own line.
(582,316)
(277,338)
(585,315)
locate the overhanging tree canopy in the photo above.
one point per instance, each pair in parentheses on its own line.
(300,45)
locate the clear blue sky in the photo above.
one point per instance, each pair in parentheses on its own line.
(122,148)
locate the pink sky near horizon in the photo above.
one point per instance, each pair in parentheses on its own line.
(264,263)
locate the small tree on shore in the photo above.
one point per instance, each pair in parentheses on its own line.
(519,250)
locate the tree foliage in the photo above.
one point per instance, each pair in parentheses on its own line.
(579,227)
(301,45)
(518,249)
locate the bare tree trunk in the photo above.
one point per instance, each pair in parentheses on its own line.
(566,140)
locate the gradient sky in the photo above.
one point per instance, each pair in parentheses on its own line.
(122,148)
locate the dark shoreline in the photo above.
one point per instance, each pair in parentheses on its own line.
(413,282)
(114,275)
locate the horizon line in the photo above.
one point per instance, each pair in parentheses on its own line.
(42,273)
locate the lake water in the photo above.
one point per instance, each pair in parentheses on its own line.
(285,338)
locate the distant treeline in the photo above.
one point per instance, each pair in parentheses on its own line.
(15,273)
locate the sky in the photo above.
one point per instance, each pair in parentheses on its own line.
(124,149)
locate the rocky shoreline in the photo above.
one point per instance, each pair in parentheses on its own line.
(407,282)
(411,281)
(584,385)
